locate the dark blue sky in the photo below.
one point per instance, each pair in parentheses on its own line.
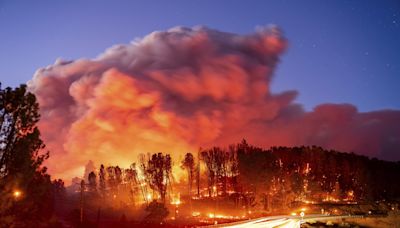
(339,51)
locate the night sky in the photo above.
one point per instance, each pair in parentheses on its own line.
(339,51)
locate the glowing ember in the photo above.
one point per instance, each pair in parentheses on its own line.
(195,213)
(17,193)
(330,199)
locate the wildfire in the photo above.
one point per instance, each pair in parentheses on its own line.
(309,202)
(330,199)
(176,200)
(149,197)
(350,196)
(195,213)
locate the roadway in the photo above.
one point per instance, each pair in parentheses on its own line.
(282,221)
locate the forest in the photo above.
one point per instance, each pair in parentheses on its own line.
(241,176)
(295,173)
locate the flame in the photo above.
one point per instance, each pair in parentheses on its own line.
(17,194)
(176,199)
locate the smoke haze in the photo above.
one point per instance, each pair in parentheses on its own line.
(174,91)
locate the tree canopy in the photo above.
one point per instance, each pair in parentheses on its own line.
(25,187)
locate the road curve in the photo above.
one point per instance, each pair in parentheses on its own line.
(283,221)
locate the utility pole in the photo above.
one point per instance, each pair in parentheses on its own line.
(81,201)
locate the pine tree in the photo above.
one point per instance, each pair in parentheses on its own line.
(25,187)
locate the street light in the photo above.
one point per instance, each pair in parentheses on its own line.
(302,216)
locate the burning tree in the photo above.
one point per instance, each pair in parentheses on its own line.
(217,162)
(102,180)
(188,165)
(209,159)
(257,169)
(158,172)
(92,182)
(111,182)
(118,175)
(89,167)
(132,178)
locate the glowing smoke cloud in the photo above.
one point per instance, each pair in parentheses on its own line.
(176,90)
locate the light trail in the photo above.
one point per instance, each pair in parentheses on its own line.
(279,221)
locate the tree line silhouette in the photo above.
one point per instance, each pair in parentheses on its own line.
(256,175)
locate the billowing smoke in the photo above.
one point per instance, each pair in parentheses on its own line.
(177,90)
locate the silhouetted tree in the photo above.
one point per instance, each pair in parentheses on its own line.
(118,175)
(188,165)
(158,169)
(111,179)
(257,167)
(211,158)
(25,187)
(92,182)
(59,188)
(89,167)
(102,180)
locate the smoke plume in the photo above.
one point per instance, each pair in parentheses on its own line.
(174,91)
